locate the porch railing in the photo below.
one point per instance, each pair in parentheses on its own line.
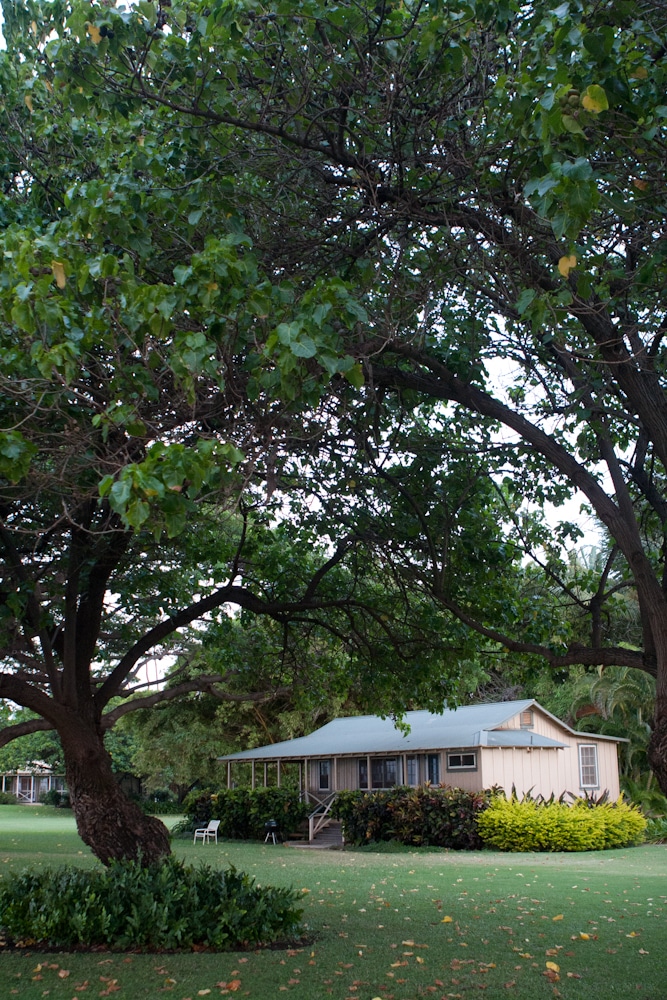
(320,816)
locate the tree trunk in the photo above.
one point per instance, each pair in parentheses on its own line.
(657,753)
(108,822)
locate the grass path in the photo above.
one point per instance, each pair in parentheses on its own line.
(395,926)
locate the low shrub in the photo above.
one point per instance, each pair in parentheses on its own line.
(166,906)
(244,811)
(166,807)
(656,831)
(510,825)
(7,799)
(417,817)
(57,797)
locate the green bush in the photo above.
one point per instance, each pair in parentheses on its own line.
(244,811)
(510,825)
(656,831)
(58,797)
(170,905)
(420,817)
(161,808)
(7,799)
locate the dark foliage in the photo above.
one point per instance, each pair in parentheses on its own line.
(243,811)
(425,817)
(163,906)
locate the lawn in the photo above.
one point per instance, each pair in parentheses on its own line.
(398,926)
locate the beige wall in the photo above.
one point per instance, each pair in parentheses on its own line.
(543,771)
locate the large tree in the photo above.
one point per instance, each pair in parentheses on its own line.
(491,179)
(138,502)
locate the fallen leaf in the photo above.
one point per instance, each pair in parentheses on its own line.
(446,920)
(203,993)
(573,975)
(559,916)
(553,966)
(584,937)
(63,973)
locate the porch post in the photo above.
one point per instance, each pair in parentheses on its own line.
(278,772)
(229,774)
(253,774)
(301,785)
(266,774)
(368,772)
(404,764)
(335,775)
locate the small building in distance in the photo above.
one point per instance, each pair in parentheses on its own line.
(30,783)
(515,745)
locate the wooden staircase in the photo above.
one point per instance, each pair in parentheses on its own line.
(330,837)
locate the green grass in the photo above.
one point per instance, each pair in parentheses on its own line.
(378,926)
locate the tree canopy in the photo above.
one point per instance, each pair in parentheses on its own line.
(489,180)
(398,267)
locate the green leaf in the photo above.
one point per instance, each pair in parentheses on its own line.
(570,124)
(595,99)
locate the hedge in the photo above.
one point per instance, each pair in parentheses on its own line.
(244,811)
(425,816)
(510,825)
(126,906)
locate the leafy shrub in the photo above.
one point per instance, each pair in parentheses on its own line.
(646,795)
(161,808)
(56,797)
(425,816)
(168,905)
(510,825)
(7,799)
(244,811)
(656,831)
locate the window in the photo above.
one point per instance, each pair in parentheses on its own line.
(461,761)
(433,768)
(588,766)
(412,776)
(363,772)
(383,772)
(526,719)
(325,775)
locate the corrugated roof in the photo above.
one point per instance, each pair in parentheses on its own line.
(471,725)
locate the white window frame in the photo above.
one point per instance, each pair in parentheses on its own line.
(433,768)
(588,764)
(379,769)
(327,787)
(462,766)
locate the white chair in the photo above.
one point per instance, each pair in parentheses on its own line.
(209,832)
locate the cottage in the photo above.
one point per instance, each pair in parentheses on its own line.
(30,783)
(515,744)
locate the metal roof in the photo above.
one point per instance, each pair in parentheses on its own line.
(469,726)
